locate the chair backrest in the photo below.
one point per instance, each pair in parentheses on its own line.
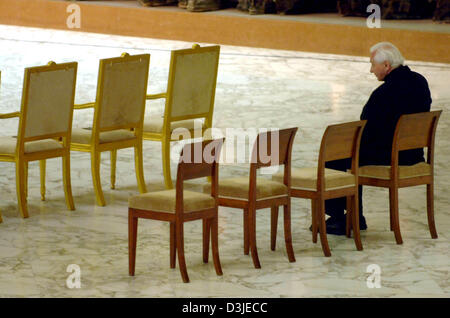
(199,159)
(121,92)
(47,101)
(415,131)
(340,141)
(192,83)
(273,148)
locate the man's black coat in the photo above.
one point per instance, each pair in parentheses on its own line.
(403,92)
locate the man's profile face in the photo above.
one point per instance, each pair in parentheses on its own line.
(380,70)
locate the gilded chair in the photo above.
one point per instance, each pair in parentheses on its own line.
(118,116)
(319,183)
(177,206)
(189,100)
(412,131)
(45,123)
(253,193)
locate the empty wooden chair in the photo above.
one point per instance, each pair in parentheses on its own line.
(118,116)
(189,100)
(178,206)
(254,193)
(319,183)
(45,123)
(412,131)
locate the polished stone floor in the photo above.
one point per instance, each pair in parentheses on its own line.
(257,88)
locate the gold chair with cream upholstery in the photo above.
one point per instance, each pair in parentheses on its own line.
(118,116)
(189,100)
(412,131)
(177,206)
(254,193)
(45,123)
(319,183)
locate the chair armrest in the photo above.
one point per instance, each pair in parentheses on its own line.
(9,115)
(156,96)
(83,106)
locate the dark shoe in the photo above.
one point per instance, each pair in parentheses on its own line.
(337,226)
(334,226)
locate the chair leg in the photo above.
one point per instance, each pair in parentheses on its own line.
(322,227)
(252,236)
(66,181)
(42,169)
(206,236)
(348,218)
(314,220)
(95,170)
(1,219)
(21,183)
(430,210)
(246,238)
(113,155)
(165,144)
(355,222)
(26,180)
(173,247)
(273,227)
(288,233)
(132,240)
(180,249)
(214,229)
(393,201)
(139,166)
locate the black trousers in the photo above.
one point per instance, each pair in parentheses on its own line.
(336,207)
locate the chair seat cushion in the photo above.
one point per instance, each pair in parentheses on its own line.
(238,187)
(306,178)
(155,124)
(404,172)
(83,136)
(164,201)
(8,145)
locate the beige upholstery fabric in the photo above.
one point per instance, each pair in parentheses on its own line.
(193,84)
(49,102)
(155,124)
(306,178)
(238,188)
(164,201)
(8,145)
(383,172)
(124,90)
(83,136)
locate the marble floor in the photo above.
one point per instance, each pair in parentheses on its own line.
(257,88)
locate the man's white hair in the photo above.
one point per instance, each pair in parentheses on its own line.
(386,51)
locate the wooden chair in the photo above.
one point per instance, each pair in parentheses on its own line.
(189,100)
(178,206)
(45,123)
(319,183)
(412,131)
(254,193)
(118,116)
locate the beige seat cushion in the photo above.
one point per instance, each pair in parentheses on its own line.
(383,172)
(306,178)
(83,136)
(164,201)
(155,124)
(237,188)
(8,145)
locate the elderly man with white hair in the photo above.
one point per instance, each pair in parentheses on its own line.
(402,92)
